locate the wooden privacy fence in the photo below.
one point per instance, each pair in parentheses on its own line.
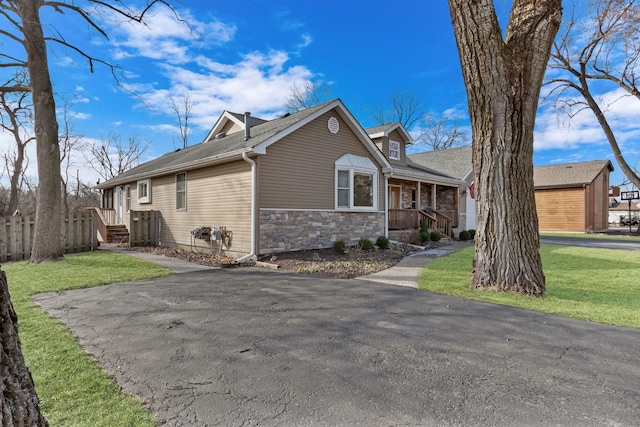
(16,235)
(144,228)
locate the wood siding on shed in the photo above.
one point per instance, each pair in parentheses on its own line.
(298,172)
(561,209)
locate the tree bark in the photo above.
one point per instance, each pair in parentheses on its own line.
(503,80)
(20,405)
(47,242)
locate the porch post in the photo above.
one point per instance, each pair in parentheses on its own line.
(433,196)
(419,202)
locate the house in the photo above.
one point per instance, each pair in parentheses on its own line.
(301,181)
(457,163)
(569,197)
(573,196)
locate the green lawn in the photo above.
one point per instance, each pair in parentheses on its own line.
(73,390)
(600,285)
(580,235)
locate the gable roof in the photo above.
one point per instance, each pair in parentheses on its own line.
(569,174)
(385,129)
(237,118)
(455,162)
(231,147)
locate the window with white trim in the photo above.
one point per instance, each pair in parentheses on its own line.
(181,191)
(144,191)
(127,198)
(394,150)
(356,183)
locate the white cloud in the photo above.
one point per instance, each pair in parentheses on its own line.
(164,37)
(259,83)
(555,129)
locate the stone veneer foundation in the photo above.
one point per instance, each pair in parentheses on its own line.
(286,230)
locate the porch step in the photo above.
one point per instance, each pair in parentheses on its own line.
(117,233)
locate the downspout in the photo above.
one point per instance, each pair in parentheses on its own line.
(253,209)
(386,203)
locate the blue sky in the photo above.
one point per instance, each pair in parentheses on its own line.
(245,56)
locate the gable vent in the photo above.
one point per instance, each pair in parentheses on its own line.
(333,125)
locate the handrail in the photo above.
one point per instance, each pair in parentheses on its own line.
(102,221)
(443,223)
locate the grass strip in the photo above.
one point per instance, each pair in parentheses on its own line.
(599,285)
(72,388)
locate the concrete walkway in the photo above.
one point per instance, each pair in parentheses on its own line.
(406,272)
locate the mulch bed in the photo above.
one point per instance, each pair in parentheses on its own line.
(317,262)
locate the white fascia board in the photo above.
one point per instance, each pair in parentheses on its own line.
(428,178)
(222,120)
(467,175)
(391,128)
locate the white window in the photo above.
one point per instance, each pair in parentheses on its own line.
(394,150)
(356,183)
(127,198)
(144,191)
(181,191)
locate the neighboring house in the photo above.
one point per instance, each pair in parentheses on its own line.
(619,209)
(301,181)
(455,162)
(569,197)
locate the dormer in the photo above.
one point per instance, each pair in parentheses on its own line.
(229,123)
(392,139)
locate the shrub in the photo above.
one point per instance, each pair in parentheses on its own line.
(464,235)
(472,234)
(365,244)
(382,242)
(435,236)
(423,227)
(425,236)
(339,247)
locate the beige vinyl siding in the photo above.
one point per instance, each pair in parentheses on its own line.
(231,127)
(561,209)
(216,196)
(298,172)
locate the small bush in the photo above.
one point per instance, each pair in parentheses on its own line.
(425,236)
(472,234)
(435,236)
(464,235)
(424,227)
(339,247)
(365,244)
(382,242)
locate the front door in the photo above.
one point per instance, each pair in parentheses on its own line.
(119,201)
(394,196)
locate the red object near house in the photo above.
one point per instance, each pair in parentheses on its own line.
(472,190)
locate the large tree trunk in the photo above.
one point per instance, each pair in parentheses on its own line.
(19,405)
(47,242)
(503,80)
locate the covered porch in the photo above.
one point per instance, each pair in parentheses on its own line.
(411,202)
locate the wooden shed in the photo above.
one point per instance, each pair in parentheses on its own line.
(573,196)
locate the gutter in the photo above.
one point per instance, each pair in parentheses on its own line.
(253,209)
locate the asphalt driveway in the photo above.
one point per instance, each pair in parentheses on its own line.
(255,347)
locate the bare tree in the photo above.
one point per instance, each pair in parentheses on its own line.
(503,77)
(182,107)
(598,44)
(403,107)
(440,133)
(110,157)
(16,118)
(21,24)
(70,142)
(307,94)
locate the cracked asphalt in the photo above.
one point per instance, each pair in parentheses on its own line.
(246,347)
